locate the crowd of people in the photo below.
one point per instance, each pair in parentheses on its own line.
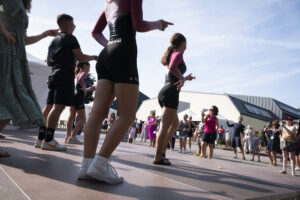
(117,78)
(279,137)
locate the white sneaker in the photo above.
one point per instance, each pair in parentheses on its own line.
(180,151)
(171,149)
(74,140)
(189,150)
(53,145)
(86,162)
(102,170)
(183,151)
(297,169)
(38,143)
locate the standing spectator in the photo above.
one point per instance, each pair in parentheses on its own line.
(289,144)
(184,127)
(172,142)
(132,132)
(274,141)
(145,130)
(220,135)
(140,127)
(190,132)
(198,136)
(227,139)
(211,124)
(152,129)
(298,149)
(255,146)
(236,136)
(264,140)
(248,139)
(111,120)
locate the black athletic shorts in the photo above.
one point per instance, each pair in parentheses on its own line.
(78,102)
(169,96)
(118,63)
(209,138)
(61,89)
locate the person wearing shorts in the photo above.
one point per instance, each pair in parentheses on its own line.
(211,124)
(63,52)
(238,130)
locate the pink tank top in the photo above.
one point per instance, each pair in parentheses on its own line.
(210,125)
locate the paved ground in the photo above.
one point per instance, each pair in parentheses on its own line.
(52,175)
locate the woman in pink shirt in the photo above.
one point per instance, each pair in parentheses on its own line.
(210,130)
(169,95)
(117,77)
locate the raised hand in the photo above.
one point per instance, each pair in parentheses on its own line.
(190,77)
(51,32)
(165,24)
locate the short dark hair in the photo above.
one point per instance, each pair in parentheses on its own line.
(215,109)
(63,18)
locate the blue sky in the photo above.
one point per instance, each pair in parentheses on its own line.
(249,47)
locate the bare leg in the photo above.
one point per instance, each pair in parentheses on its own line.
(47,110)
(190,143)
(292,159)
(104,97)
(242,150)
(3,123)
(298,161)
(162,138)
(203,147)
(234,151)
(174,126)
(80,122)
(71,121)
(258,156)
(180,143)
(127,96)
(211,150)
(54,116)
(270,154)
(285,159)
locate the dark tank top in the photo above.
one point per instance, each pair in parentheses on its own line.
(170,78)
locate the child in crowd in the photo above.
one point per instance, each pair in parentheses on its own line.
(198,136)
(227,139)
(132,131)
(255,146)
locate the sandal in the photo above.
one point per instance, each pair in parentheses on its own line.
(4,154)
(162,162)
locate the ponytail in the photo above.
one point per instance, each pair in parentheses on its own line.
(176,41)
(166,58)
(79,67)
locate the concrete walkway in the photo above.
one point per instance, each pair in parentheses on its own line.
(53,175)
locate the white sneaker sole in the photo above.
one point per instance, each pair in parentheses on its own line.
(94,173)
(52,149)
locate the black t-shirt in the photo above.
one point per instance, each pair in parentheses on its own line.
(238,129)
(60,53)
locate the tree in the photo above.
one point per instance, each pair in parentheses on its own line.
(90,95)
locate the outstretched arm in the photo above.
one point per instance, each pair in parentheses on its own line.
(229,125)
(98,30)
(34,39)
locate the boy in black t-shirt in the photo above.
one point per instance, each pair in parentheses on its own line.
(63,53)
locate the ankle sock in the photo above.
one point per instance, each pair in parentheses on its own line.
(49,134)
(42,133)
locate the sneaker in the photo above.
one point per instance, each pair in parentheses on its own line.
(183,151)
(53,145)
(74,140)
(171,150)
(102,170)
(197,154)
(38,143)
(235,157)
(189,150)
(86,162)
(66,139)
(180,151)
(297,169)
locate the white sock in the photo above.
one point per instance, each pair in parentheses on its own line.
(86,162)
(100,159)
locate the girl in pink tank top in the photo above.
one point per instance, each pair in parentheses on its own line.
(210,131)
